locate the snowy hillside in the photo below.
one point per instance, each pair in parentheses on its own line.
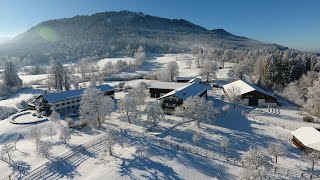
(175,149)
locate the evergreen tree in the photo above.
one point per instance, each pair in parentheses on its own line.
(10,76)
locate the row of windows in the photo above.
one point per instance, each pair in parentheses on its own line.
(62,104)
(70,107)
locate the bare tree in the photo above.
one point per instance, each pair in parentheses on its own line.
(233,95)
(6,153)
(172,69)
(255,164)
(51,131)
(64,134)
(209,70)
(112,137)
(196,138)
(313,156)
(35,134)
(189,63)
(128,106)
(44,148)
(154,112)
(277,150)
(224,143)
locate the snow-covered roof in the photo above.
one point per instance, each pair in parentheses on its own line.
(56,97)
(167,85)
(308,136)
(245,87)
(184,78)
(197,80)
(193,89)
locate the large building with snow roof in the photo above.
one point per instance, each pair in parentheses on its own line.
(249,94)
(176,97)
(306,138)
(66,100)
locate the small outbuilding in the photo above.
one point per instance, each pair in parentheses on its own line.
(250,94)
(306,138)
(182,79)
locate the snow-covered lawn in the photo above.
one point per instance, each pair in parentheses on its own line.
(23,94)
(142,158)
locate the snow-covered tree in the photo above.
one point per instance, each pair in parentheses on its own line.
(138,94)
(255,164)
(189,63)
(108,68)
(56,75)
(208,71)
(55,117)
(224,143)
(172,69)
(35,133)
(111,138)
(51,131)
(65,135)
(277,150)
(84,67)
(241,69)
(95,106)
(128,106)
(233,95)
(198,110)
(196,138)
(313,102)
(154,113)
(44,148)
(139,56)
(313,156)
(10,76)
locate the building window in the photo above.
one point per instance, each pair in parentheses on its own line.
(57,105)
(68,102)
(72,101)
(63,104)
(78,100)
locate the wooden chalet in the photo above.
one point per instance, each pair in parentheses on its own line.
(250,94)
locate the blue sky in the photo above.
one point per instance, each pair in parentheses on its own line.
(293,23)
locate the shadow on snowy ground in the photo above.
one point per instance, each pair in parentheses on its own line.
(146,162)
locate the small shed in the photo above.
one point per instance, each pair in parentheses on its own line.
(306,138)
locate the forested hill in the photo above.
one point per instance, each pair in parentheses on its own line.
(119,33)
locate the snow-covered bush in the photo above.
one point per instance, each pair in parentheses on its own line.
(22,105)
(5,112)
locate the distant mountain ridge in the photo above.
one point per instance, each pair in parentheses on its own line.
(110,34)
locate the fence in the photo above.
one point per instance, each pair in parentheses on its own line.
(96,145)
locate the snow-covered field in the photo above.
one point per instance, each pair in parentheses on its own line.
(140,157)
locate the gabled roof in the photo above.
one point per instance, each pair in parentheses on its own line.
(197,80)
(245,87)
(60,96)
(167,85)
(308,136)
(193,89)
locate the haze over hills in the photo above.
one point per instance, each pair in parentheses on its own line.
(4,39)
(111,34)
